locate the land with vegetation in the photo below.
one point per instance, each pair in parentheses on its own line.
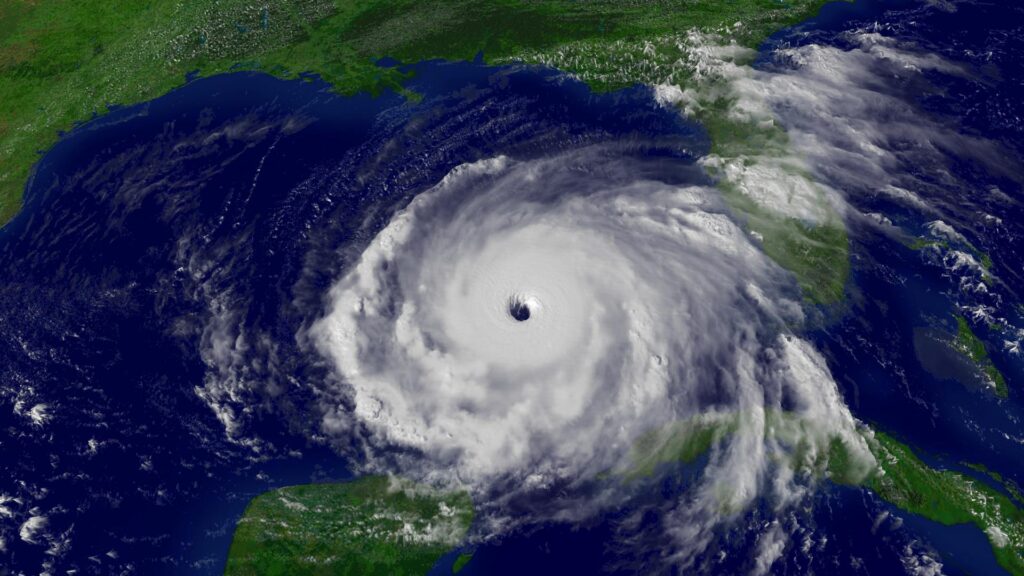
(968,344)
(63,62)
(948,497)
(897,476)
(373,525)
(379,526)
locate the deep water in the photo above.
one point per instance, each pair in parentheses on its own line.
(168,247)
(162,247)
(897,288)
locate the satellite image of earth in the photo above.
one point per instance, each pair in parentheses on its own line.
(511,287)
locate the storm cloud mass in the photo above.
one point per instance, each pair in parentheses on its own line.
(530,320)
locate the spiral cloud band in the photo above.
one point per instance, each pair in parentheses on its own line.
(533,319)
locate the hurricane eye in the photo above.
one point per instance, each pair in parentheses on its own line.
(518,309)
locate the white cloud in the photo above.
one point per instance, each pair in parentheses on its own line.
(648,305)
(920,564)
(940,229)
(997,536)
(39,414)
(645,299)
(770,546)
(33,529)
(6,503)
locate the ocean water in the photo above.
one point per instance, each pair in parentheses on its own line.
(158,238)
(169,252)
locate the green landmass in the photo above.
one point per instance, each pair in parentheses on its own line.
(897,476)
(373,525)
(1011,487)
(984,259)
(682,442)
(63,62)
(702,61)
(816,252)
(922,243)
(971,346)
(380,526)
(461,562)
(948,497)
(810,450)
(817,255)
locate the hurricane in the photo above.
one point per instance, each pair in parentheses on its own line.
(530,288)
(526,323)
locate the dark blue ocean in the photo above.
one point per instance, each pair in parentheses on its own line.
(169,252)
